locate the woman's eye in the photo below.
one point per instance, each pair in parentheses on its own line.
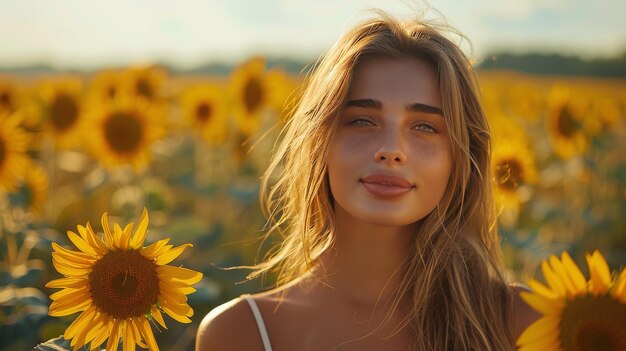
(360,122)
(425,128)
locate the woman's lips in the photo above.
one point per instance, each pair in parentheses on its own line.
(386,185)
(385,190)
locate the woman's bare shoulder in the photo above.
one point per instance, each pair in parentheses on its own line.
(229,326)
(522,314)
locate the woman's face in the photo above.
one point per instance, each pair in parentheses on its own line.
(390,159)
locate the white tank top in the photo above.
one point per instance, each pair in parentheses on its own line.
(259,321)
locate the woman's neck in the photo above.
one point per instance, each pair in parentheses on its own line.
(365,266)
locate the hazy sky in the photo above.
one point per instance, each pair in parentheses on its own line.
(88,33)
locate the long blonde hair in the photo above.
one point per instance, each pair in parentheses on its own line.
(454,276)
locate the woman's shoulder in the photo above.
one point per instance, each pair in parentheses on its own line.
(227,327)
(522,315)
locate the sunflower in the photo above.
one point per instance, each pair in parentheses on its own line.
(204,109)
(106,84)
(62,111)
(122,131)
(578,314)
(119,285)
(33,191)
(565,122)
(253,90)
(145,82)
(13,147)
(512,163)
(9,96)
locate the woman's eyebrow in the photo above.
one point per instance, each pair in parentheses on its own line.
(418,107)
(377,105)
(366,103)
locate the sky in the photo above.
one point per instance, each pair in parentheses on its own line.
(186,33)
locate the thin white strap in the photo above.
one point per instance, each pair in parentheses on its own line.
(259,322)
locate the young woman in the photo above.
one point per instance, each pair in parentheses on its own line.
(381,191)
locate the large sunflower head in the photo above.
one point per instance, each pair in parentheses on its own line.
(578,314)
(122,131)
(204,109)
(566,110)
(13,146)
(62,111)
(119,285)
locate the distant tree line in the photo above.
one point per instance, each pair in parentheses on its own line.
(556,64)
(533,63)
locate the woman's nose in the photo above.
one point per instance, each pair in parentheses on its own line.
(391,149)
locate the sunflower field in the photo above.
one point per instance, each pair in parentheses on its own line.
(190,149)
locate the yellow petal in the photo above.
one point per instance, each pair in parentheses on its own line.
(541,289)
(149,251)
(70,282)
(599,271)
(179,273)
(544,327)
(95,239)
(561,272)
(71,261)
(170,255)
(140,234)
(156,314)
(619,290)
(179,317)
(66,308)
(108,237)
(114,339)
(128,339)
(80,323)
(138,336)
(81,244)
(550,307)
(553,280)
(68,270)
(146,332)
(76,255)
(576,276)
(181,309)
(71,294)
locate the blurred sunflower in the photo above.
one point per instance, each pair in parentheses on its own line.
(526,100)
(62,111)
(251,87)
(577,314)
(106,84)
(33,191)
(9,96)
(145,82)
(566,110)
(13,146)
(119,285)
(204,109)
(512,163)
(122,131)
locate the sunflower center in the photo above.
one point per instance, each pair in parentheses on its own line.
(63,112)
(5,100)
(509,174)
(123,132)
(144,89)
(253,95)
(124,284)
(203,112)
(110,91)
(593,323)
(566,123)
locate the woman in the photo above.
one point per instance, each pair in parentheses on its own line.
(380,188)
